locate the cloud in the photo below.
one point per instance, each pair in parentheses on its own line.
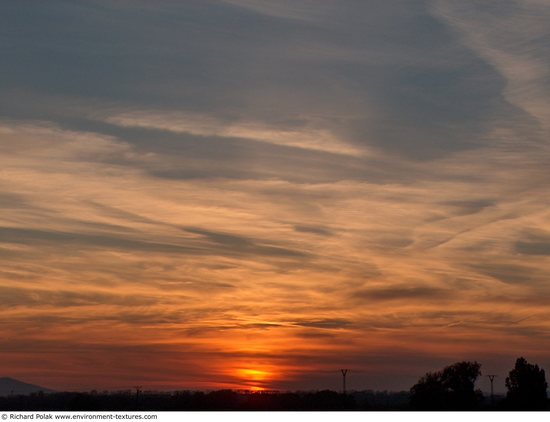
(219,181)
(11,201)
(321,231)
(327,324)
(403,292)
(83,240)
(361,79)
(519,53)
(506,272)
(309,138)
(300,10)
(471,206)
(534,244)
(244,245)
(17,297)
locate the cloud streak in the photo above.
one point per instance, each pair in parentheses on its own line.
(272,187)
(309,138)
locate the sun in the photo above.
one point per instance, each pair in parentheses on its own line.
(255,379)
(254,374)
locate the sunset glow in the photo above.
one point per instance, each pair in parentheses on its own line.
(254,374)
(254,194)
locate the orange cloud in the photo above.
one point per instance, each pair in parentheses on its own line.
(113,276)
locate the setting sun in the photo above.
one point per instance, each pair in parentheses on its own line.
(254,374)
(255,380)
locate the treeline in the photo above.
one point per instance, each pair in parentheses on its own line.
(452,388)
(179,401)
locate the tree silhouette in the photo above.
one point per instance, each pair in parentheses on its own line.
(526,387)
(449,389)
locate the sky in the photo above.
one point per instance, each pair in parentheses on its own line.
(254,194)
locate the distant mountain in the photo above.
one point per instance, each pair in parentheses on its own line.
(10,386)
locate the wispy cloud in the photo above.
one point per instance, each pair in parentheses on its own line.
(513,38)
(307,137)
(352,183)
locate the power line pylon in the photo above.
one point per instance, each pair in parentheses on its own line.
(492,378)
(344,373)
(138,392)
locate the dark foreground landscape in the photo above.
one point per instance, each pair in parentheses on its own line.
(216,400)
(238,401)
(450,389)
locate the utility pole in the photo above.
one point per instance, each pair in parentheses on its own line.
(138,391)
(492,378)
(344,373)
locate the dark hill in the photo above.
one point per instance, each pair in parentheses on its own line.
(10,386)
